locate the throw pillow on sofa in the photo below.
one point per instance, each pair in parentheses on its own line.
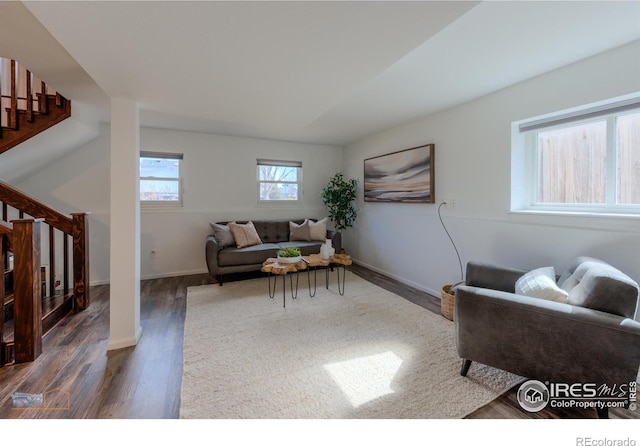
(245,234)
(299,232)
(223,235)
(318,230)
(541,283)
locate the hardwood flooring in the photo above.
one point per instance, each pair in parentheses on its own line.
(83,380)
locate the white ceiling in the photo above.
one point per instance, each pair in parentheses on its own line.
(320,72)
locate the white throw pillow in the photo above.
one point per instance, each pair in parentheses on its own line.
(245,235)
(318,230)
(541,283)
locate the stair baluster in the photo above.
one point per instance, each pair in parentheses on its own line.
(13,115)
(20,118)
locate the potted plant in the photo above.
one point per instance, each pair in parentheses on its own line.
(289,255)
(339,196)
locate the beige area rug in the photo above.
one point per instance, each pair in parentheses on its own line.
(367,354)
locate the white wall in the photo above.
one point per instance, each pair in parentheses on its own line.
(220,184)
(473,165)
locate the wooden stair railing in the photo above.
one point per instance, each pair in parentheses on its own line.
(19,118)
(22,238)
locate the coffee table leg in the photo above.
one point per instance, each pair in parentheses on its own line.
(315,280)
(294,296)
(344,272)
(275,281)
(284,289)
(326,277)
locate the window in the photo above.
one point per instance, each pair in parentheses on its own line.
(279,181)
(583,161)
(161,178)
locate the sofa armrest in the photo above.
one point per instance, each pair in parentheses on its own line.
(545,340)
(336,239)
(495,277)
(211,254)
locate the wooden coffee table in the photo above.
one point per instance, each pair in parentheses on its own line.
(272,266)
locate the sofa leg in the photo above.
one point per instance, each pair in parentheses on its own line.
(466,363)
(603,412)
(219,279)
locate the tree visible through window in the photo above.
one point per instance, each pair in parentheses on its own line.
(279,180)
(160,178)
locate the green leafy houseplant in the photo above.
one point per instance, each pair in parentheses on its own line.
(289,252)
(339,197)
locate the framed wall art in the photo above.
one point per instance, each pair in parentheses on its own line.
(405,176)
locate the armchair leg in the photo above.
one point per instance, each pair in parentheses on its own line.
(603,412)
(466,363)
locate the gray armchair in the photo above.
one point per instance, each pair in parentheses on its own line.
(592,338)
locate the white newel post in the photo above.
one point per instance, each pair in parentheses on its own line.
(124,327)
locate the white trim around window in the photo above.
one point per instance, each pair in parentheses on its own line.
(597,175)
(279,182)
(161,181)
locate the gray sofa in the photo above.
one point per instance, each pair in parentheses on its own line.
(274,235)
(593,337)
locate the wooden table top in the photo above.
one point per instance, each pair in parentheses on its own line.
(272,266)
(315,260)
(341,259)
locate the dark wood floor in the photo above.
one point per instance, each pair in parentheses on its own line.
(143,382)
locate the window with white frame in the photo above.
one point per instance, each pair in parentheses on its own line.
(161,178)
(279,181)
(580,161)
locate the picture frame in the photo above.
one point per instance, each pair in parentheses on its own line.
(405,176)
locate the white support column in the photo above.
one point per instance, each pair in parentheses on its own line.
(124,274)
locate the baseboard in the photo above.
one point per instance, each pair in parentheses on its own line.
(99,282)
(173,274)
(435,293)
(155,276)
(129,341)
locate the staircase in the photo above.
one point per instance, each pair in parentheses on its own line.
(35,294)
(27,105)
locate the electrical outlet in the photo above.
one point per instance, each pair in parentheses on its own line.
(450,202)
(153,253)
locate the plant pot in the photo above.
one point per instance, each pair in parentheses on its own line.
(289,259)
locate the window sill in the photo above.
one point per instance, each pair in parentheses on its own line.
(615,222)
(279,204)
(161,207)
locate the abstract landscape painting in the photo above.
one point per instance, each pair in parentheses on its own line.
(401,177)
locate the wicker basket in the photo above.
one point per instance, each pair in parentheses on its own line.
(447,300)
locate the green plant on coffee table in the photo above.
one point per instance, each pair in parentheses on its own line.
(289,252)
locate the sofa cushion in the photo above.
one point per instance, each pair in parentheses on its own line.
(223,235)
(602,287)
(318,230)
(249,255)
(245,234)
(299,232)
(274,231)
(541,283)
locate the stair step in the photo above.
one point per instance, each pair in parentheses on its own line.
(10,137)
